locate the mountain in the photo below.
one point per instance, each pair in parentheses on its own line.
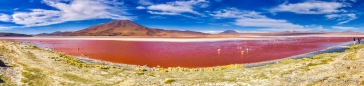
(2,34)
(124,28)
(229,32)
(54,33)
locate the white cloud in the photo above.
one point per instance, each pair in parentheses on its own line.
(313,7)
(140,7)
(316,27)
(332,9)
(73,11)
(343,18)
(162,13)
(348,0)
(235,13)
(204,5)
(145,2)
(255,19)
(3,28)
(8,27)
(192,17)
(177,7)
(4,17)
(344,28)
(37,17)
(267,22)
(158,17)
(85,9)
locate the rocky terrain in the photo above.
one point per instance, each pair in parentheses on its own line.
(29,65)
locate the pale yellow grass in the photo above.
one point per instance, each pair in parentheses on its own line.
(37,69)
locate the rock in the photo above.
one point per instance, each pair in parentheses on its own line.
(2,64)
(104,73)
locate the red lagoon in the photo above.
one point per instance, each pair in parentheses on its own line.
(188,54)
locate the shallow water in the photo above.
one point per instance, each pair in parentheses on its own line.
(189,54)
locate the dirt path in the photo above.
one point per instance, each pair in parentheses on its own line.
(37,67)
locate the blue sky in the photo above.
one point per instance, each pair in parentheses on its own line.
(210,16)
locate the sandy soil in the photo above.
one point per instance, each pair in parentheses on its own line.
(36,67)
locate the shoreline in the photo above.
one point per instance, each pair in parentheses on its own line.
(336,48)
(35,66)
(247,65)
(120,65)
(171,39)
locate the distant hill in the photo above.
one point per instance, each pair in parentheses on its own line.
(229,32)
(2,34)
(123,28)
(54,33)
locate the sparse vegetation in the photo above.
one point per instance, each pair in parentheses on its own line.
(34,77)
(351,56)
(3,79)
(169,81)
(64,58)
(206,69)
(139,73)
(313,64)
(41,68)
(32,46)
(77,78)
(285,61)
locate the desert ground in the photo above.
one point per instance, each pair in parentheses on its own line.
(27,64)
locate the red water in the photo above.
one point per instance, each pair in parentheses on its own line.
(188,54)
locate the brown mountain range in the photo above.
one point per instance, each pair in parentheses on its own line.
(229,32)
(124,28)
(2,34)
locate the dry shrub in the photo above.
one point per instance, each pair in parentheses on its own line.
(351,56)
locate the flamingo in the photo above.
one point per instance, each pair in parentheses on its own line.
(242,53)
